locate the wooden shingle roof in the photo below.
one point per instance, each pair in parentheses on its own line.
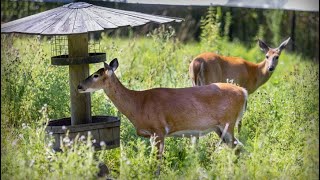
(80,17)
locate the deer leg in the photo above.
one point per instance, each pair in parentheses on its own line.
(194,140)
(221,131)
(226,134)
(239,127)
(197,140)
(230,137)
(232,141)
(160,146)
(217,130)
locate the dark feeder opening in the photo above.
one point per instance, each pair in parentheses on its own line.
(74,52)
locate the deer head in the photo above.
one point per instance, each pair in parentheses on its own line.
(98,80)
(272,54)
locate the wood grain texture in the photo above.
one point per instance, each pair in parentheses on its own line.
(102,128)
(80,103)
(28,18)
(78,18)
(57,26)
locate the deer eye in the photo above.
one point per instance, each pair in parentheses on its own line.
(96,75)
(267,56)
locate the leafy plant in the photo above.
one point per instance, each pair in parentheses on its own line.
(279,131)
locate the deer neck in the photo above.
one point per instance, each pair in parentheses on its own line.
(262,73)
(124,99)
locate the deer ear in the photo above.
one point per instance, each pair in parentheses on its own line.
(263,46)
(284,44)
(107,69)
(106,66)
(114,64)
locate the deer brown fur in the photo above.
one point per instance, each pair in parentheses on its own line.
(173,112)
(208,68)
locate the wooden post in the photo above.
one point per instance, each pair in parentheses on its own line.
(80,103)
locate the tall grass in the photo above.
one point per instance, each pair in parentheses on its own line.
(280,128)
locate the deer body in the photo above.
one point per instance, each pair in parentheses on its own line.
(188,111)
(209,68)
(173,112)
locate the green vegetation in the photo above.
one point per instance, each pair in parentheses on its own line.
(280,128)
(237,23)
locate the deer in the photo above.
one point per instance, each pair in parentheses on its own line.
(173,112)
(209,68)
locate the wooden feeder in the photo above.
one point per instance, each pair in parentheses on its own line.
(74,22)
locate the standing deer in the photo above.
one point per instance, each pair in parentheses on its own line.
(209,68)
(192,111)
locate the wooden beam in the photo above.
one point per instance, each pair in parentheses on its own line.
(80,103)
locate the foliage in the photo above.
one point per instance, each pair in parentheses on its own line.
(210,26)
(26,77)
(227,24)
(274,20)
(243,26)
(279,132)
(27,154)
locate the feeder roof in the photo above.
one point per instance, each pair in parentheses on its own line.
(80,17)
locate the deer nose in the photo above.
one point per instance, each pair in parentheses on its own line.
(79,86)
(271,68)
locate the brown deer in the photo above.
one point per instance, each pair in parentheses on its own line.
(209,68)
(163,112)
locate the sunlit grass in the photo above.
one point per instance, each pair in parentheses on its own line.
(280,128)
